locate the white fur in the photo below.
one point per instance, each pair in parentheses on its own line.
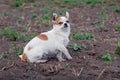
(58,39)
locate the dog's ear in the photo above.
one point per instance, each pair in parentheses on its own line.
(54,16)
(67,15)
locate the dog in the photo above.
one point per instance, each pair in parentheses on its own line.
(48,43)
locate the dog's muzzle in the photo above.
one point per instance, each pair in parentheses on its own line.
(65,25)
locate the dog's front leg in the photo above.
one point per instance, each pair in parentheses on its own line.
(59,57)
(63,49)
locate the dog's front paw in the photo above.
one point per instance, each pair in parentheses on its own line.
(62,60)
(69,58)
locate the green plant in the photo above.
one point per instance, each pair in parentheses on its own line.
(103,12)
(35,4)
(76,47)
(17,3)
(82,36)
(67,65)
(88,36)
(11,34)
(118,47)
(25,27)
(33,15)
(28,37)
(100,26)
(118,27)
(4,14)
(79,36)
(117,9)
(20,19)
(45,19)
(5,54)
(108,57)
(93,2)
(17,50)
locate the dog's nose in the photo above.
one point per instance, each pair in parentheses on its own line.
(65,25)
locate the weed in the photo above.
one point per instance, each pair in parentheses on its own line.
(28,37)
(88,36)
(118,27)
(17,50)
(100,26)
(25,27)
(76,47)
(81,36)
(45,19)
(20,18)
(103,12)
(108,57)
(17,3)
(5,54)
(118,47)
(4,14)
(117,9)
(11,34)
(93,2)
(67,65)
(33,15)
(35,4)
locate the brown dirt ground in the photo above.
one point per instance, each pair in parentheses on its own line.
(87,62)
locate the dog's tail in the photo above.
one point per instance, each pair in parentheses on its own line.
(23,57)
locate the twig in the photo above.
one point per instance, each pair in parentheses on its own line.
(81,71)
(100,74)
(77,73)
(7,66)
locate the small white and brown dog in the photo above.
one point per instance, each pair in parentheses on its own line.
(48,43)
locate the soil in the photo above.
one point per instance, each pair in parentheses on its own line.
(86,64)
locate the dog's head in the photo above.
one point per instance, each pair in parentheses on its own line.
(61,22)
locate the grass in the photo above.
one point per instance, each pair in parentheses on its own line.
(11,34)
(18,3)
(3,14)
(93,2)
(108,57)
(17,50)
(20,19)
(33,15)
(45,19)
(28,37)
(98,25)
(25,27)
(77,47)
(118,27)
(5,55)
(82,36)
(117,9)
(118,47)
(34,5)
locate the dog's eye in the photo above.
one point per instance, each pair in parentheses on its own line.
(60,23)
(67,21)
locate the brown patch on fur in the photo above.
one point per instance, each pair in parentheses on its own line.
(29,48)
(43,37)
(57,20)
(24,58)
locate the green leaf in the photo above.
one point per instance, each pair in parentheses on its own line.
(108,57)
(118,44)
